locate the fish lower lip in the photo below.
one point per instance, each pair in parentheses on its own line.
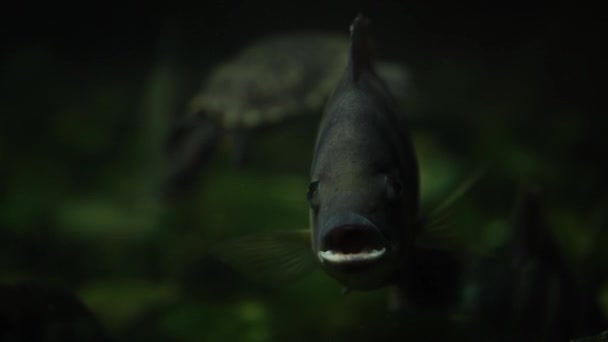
(345,258)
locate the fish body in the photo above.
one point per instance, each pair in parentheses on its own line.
(364,186)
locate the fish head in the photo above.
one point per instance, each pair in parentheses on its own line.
(357,226)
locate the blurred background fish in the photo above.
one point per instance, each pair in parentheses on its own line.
(526,289)
(271,81)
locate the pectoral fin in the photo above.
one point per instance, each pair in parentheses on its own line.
(436,232)
(269,256)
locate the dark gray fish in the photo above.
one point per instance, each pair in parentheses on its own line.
(366,229)
(364,190)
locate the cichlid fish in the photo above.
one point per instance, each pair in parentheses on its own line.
(366,229)
(526,291)
(364,191)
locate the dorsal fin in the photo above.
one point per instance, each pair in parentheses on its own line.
(360,47)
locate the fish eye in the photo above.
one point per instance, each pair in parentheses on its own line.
(312,194)
(393,187)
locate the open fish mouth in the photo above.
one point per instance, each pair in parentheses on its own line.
(337,257)
(352,244)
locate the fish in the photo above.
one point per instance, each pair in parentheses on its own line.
(366,230)
(364,187)
(272,80)
(526,290)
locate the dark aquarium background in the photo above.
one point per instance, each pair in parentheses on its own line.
(93,249)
